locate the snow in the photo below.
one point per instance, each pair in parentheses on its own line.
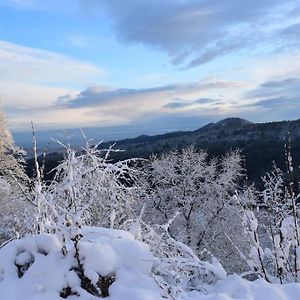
(34,268)
(236,288)
(102,251)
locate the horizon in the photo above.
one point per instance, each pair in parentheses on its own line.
(147,66)
(78,136)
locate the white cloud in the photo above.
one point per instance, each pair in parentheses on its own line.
(30,64)
(123,106)
(32,80)
(52,118)
(16,94)
(274,67)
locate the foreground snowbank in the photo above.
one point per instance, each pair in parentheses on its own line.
(236,288)
(35,267)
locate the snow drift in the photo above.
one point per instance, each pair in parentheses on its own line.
(35,268)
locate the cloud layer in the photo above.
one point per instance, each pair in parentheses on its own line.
(276,95)
(32,78)
(99,95)
(195,32)
(227,58)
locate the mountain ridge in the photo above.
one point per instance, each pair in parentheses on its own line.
(260,144)
(235,125)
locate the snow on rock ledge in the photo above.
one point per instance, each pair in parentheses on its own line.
(35,268)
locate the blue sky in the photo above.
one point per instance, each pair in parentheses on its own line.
(150,64)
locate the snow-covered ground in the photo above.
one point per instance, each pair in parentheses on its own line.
(35,268)
(236,288)
(102,252)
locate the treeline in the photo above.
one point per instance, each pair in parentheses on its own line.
(258,154)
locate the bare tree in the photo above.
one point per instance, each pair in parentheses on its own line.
(13,180)
(201,190)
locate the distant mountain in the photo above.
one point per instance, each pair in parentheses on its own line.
(260,143)
(229,123)
(229,130)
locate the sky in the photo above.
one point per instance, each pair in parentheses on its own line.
(148,66)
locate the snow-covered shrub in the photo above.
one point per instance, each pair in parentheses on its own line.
(273,229)
(11,157)
(12,181)
(34,268)
(201,190)
(87,189)
(89,262)
(89,186)
(177,269)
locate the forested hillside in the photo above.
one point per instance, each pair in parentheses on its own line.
(261,144)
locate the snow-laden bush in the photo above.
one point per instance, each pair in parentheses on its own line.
(177,269)
(34,268)
(13,212)
(87,188)
(11,157)
(273,229)
(92,262)
(12,180)
(201,189)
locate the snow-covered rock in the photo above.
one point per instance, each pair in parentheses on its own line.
(35,268)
